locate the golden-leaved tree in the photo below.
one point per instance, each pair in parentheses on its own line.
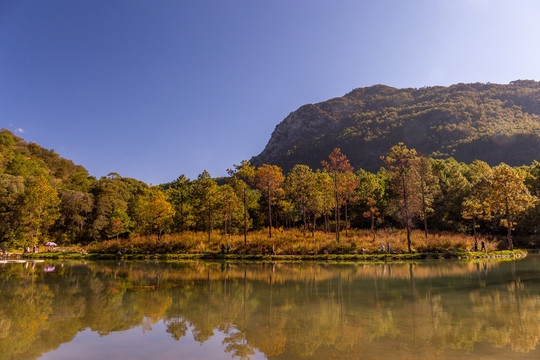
(477,205)
(509,197)
(300,186)
(241,176)
(158,211)
(339,167)
(268,178)
(401,166)
(39,209)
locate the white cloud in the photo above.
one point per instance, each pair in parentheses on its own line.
(19,130)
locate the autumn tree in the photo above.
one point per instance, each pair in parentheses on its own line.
(39,209)
(348,182)
(509,197)
(242,175)
(337,165)
(477,205)
(179,194)
(205,200)
(324,201)
(230,204)
(319,199)
(371,191)
(119,223)
(428,187)
(11,194)
(300,186)
(157,210)
(268,178)
(400,163)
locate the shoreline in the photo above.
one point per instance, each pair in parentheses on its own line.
(503,254)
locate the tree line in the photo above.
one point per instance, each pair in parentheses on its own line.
(39,202)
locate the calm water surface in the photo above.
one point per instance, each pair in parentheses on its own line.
(212,310)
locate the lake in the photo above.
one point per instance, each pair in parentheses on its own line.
(216,310)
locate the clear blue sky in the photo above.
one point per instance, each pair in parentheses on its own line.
(154,89)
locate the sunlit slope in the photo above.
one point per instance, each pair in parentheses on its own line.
(492,122)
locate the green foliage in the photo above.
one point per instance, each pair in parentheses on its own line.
(490,122)
(44,197)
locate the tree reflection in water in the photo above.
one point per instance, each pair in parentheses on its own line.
(284,310)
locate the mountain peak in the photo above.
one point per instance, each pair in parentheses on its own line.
(490,122)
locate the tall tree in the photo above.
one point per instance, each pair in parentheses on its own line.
(509,196)
(300,186)
(428,187)
(230,204)
(157,210)
(452,189)
(400,163)
(371,190)
(337,165)
(11,194)
(119,222)
(205,200)
(75,209)
(477,205)
(243,174)
(40,209)
(179,194)
(349,183)
(325,190)
(268,178)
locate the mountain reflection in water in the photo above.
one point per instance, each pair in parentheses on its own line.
(270,310)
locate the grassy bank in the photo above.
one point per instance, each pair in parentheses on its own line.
(289,245)
(291,242)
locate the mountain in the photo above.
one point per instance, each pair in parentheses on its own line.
(491,122)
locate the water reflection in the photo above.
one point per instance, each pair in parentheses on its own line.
(278,311)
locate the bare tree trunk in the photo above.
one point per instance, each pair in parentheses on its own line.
(346,218)
(230,224)
(269,213)
(422,189)
(509,224)
(336,212)
(406,208)
(181,212)
(304,215)
(245,216)
(326,221)
(372,224)
(209,222)
(475,235)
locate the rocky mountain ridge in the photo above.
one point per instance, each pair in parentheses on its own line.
(491,122)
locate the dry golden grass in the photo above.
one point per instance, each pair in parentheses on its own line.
(292,242)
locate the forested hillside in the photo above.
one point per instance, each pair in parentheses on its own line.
(45,197)
(490,122)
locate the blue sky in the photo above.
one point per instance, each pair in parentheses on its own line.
(154,89)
